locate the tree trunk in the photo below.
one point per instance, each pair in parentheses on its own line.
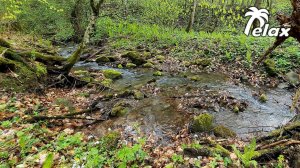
(192,17)
(292,22)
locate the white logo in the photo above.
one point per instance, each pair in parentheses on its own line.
(262,15)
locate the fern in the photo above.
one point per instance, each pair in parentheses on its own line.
(248,155)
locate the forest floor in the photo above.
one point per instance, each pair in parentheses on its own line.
(144,106)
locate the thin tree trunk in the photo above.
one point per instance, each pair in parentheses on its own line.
(192,17)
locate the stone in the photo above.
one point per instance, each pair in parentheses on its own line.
(138,95)
(102,59)
(130,65)
(119,110)
(263,98)
(135,58)
(224,132)
(148,65)
(112,74)
(157,73)
(293,78)
(202,123)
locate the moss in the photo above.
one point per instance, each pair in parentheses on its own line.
(120,66)
(4,43)
(160,58)
(186,63)
(107,82)
(157,73)
(41,69)
(236,109)
(130,65)
(148,65)
(81,73)
(138,95)
(270,67)
(202,123)
(110,140)
(112,74)
(135,58)
(202,62)
(102,59)
(119,109)
(263,98)
(224,132)
(195,78)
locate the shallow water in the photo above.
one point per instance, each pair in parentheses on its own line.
(159,115)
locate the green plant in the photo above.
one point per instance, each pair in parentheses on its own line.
(131,155)
(177,158)
(63,141)
(6,124)
(49,161)
(280,163)
(248,154)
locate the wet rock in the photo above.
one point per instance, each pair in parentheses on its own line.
(130,65)
(202,123)
(120,66)
(293,78)
(263,98)
(135,58)
(148,65)
(224,132)
(270,67)
(125,93)
(83,75)
(157,73)
(107,82)
(138,95)
(102,59)
(112,74)
(283,85)
(236,109)
(119,109)
(195,78)
(202,62)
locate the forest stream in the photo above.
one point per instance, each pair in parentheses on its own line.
(161,114)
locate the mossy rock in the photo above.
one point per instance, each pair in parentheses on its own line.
(202,123)
(119,109)
(130,65)
(81,73)
(112,74)
(293,78)
(202,62)
(270,67)
(138,95)
(158,73)
(160,57)
(148,65)
(125,93)
(135,58)
(102,59)
(195,78)
(224,132)
(4,43)
(263,98)
(120,66)
(236,109)
(110,140)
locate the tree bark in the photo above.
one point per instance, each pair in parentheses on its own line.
(292,22)
(192,17)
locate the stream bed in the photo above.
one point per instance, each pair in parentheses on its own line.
(160,115)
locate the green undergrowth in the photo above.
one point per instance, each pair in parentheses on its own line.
(225,46)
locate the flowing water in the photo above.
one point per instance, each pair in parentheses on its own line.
(159,115)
